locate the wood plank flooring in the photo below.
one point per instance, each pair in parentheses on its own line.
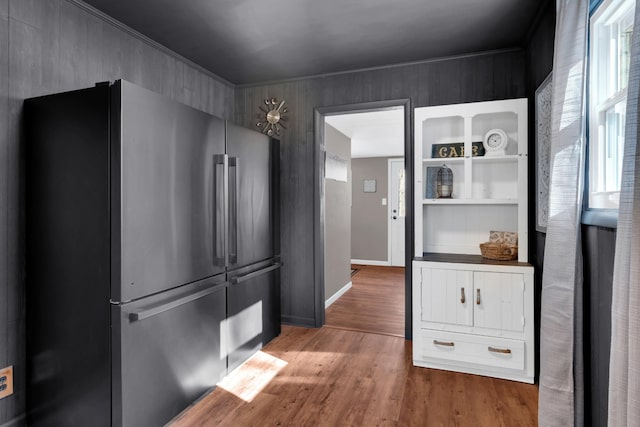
(375,303)
(336,377)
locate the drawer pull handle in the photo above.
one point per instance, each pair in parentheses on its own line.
(444,343)
(463,299)
(478,296)
(500,350)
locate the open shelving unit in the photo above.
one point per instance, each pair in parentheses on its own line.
(472,314)
(493,188)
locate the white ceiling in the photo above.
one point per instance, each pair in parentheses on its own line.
(374,133)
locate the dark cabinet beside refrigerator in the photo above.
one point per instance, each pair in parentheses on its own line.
(152,254)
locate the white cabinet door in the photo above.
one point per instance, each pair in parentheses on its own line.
(498,301)
(446,296)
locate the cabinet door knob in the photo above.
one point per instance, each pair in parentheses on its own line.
(499,350)
(478,297)
(462,297)
(395,217)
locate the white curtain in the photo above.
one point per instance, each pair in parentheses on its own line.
(561,371)
(624,370)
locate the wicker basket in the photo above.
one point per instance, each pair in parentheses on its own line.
(498,251)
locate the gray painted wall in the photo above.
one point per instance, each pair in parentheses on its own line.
(337,230)
(49,46)
(55,45)
(598,248)
(369,225)
(484,77)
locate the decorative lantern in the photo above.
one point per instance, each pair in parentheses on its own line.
(444,182)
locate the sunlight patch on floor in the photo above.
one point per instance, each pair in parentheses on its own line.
(249,379)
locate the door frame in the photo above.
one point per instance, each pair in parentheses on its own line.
(319,198)
(389,214)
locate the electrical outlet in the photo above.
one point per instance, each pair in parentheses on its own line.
(384,201)
(6,382)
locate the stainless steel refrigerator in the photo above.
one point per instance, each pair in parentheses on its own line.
(152,254)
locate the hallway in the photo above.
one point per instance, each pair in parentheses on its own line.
(374,304)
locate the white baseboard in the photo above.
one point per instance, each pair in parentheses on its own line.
(370,262)
(337,295)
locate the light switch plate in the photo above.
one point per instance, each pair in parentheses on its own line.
(384,201)
(6,382)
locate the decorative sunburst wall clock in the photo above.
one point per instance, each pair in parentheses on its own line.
(272,120)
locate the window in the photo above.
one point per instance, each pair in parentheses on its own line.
(610,45)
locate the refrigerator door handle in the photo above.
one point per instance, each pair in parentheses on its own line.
(234,162)
(245,277)
(145,313)
(219,211)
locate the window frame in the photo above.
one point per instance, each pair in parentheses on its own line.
(600,217)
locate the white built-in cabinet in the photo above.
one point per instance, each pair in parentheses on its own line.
(474,318)
(471,314)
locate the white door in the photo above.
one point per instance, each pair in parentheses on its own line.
(397,211)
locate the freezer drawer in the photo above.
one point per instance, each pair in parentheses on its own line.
(167,351)
(254,314)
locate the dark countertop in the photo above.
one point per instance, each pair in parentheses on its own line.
(467,259)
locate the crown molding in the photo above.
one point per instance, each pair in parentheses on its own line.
(542,10)
(381,67)
(119,25)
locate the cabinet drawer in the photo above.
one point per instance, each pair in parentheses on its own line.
(481,350)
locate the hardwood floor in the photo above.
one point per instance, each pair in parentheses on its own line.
(342,375)
(336,377)
(375,303)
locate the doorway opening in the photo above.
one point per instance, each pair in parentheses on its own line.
(363,194)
